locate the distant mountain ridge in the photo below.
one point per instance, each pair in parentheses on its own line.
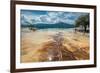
(56,25)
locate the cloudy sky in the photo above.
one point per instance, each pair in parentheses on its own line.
(48,17)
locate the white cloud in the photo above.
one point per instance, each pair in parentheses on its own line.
(50,17)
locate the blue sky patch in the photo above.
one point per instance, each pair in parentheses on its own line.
(49,17)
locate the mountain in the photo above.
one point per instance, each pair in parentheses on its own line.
(56,25)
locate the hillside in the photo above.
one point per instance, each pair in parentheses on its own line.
(56,25)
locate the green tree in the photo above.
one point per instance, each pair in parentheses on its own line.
(83,21)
